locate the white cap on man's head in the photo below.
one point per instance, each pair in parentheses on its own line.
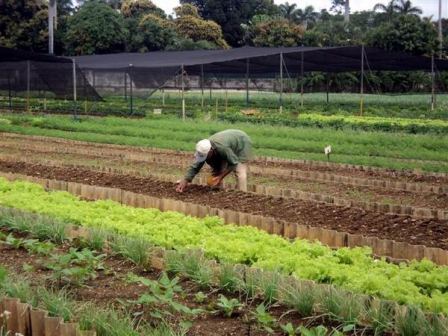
(202,149)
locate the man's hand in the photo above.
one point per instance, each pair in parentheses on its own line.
(181,185)
(216,180)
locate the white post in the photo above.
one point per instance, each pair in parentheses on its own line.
(183,94)
(433,80)
(362,82)
(281,82)
(440,30)
(75,94)
(28,85)
(247,81)
(202,87)
(74,80)
(301,79)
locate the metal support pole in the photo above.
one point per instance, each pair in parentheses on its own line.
(52,13)
(131,91)
(247,81)
(202,87)
(361,110)
(28,84)
(75,94)
(125,86)
(226,96)
(163,97)
(281,83)
(433,86)
(9,92)
(183,93)
(440,30)
(328,88)
(301,79)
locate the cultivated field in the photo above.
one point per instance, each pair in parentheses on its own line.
(353,245)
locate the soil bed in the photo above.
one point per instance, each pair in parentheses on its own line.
(385,174)
(349,192)
(111,288)
(428,232)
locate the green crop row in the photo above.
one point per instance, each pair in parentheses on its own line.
(413,126)
(230,105)
(398,151)
(349,311)
(420,283)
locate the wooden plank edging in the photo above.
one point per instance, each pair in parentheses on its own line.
(24,320)
(334,239)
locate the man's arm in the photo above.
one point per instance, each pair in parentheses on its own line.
(192,171)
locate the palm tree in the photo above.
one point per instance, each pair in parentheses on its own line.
(289,11)
(306,16)
(389,9)
(398,7)
(405,7)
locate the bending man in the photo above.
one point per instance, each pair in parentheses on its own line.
(224,152)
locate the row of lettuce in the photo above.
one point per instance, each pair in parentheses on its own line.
(419,283)
(345,311)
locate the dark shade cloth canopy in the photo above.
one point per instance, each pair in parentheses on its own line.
(42,73)
(263,60)
(155,68)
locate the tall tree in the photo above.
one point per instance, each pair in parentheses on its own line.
(276,32)
(405,7)
(389,10)
(138,8)
(289,11)
(115,4)
(406,33)
(307,16)
(96,28)
(189,24)
(231,14)
(23,25)
(345,4)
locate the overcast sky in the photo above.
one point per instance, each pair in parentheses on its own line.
(429,7)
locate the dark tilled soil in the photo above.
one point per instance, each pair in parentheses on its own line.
(426,232)
(350,192)
(389,174)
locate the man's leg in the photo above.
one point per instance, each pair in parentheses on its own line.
(241,174)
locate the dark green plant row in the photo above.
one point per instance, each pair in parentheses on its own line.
(267,104)
(372,124)
(381,149)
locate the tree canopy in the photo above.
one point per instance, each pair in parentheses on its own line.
(105,26)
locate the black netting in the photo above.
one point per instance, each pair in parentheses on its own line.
(241,68)
(29,74)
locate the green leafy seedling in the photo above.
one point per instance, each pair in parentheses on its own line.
(289,329)
(266,320)
(200,297)
(315,331)
(228,306)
